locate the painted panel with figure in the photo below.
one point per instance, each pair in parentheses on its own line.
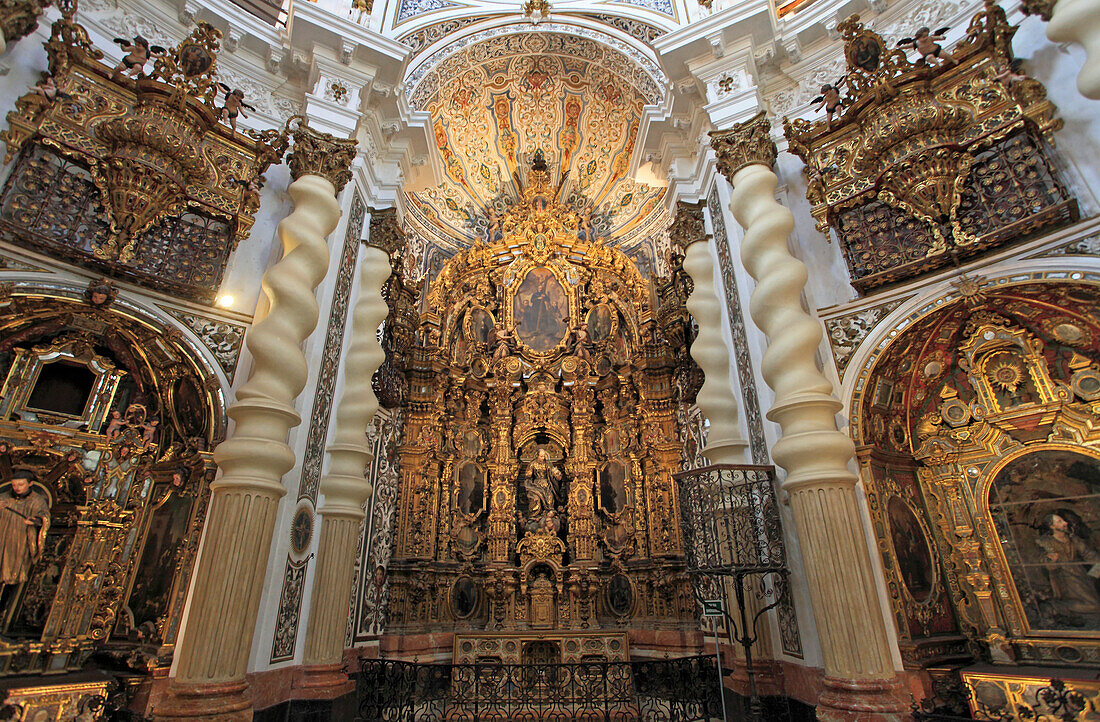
(1046,508)
(541,310)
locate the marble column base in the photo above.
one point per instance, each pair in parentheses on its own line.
(220,702)
(847,700)
(323,681)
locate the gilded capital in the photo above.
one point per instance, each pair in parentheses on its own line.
(687,226)
(323,154)
(385,232)
(745,144)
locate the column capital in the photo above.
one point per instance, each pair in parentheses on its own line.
(688,226)
(321,154)
(385,231)
(748,143)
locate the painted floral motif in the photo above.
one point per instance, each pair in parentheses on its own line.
(497,102)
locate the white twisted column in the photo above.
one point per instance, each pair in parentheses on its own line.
(725,444)
(343,488)
(859,672)
(1078,21)
(213,653)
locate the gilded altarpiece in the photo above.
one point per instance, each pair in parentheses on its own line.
(113,416)
(539,442)
(982,468)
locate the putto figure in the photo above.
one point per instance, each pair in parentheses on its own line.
(924,41)
(138,51)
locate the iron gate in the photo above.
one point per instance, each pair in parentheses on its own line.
(674,690)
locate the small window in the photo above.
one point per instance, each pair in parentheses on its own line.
(62,387)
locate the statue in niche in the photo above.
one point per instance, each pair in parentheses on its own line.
(24,522)
(542,482)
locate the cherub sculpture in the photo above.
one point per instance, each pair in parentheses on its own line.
(829,99)
(138,51)
(232,105)
(924,41)
(1009,71)
(47,89)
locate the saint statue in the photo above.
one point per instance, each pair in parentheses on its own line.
(541,483)
(24,521)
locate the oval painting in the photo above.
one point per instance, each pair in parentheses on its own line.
(599,322)
(464,597)
(479,325)
(541,310)
(620,595)
(911,549)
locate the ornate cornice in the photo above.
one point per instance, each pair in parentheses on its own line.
(385,231)
(746,144)
(323,154)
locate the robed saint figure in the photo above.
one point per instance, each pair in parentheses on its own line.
(24,521)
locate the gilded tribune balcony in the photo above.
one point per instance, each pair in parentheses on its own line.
(921,163)
(129,174)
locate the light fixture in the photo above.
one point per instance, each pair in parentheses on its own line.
(225,301)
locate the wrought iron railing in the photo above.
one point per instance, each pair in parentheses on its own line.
(732,531)
(51,205)
(674,690)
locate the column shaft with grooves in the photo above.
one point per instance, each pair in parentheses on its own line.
(343,488)
(816,454)
(217,639)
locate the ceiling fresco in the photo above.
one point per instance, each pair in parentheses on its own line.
(495,103)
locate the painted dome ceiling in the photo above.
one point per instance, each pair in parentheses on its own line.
(496,102)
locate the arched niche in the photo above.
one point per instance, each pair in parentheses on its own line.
(125,463)
(1012,373)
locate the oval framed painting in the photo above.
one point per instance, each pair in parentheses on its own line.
(916,566)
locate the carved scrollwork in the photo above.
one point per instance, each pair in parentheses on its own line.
(902,172)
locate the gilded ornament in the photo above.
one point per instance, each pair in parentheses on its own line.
(745,144)
(320,154)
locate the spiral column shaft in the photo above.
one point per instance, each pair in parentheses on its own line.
(859,671)
(212,657)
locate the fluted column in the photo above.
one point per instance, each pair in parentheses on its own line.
(212,657)
(859,671)
(343,488)
(725,443)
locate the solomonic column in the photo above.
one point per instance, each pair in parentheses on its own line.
(1074,21)
(725,443)
(343,488)
(859,671)
(212,657)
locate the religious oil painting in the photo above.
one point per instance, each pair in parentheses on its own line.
(541,310)
(599,322)
(911,550)
(1046,509)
